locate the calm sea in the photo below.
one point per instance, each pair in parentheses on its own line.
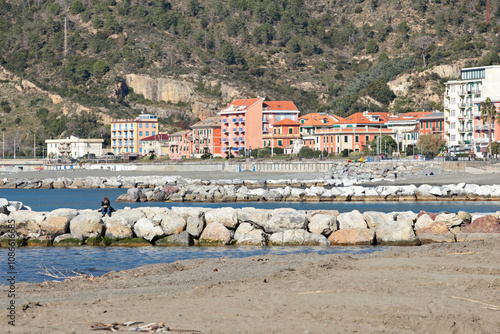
(99,260)
(51,199)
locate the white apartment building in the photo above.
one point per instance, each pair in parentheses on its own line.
(73,147)
(463,126)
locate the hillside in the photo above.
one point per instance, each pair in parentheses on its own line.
(183,60)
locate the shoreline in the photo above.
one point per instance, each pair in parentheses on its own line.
(283,294)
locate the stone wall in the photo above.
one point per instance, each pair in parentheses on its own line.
(182,226)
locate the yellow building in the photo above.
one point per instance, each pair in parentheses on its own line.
(126,133)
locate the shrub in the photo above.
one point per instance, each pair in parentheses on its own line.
(264,152)
(76,7)
(358,9)
(371,46)
(100,68)
(306,152)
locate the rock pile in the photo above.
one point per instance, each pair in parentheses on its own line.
(220,192)
(246,226)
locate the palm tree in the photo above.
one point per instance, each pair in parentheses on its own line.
(489,114)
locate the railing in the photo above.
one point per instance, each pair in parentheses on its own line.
(481,140)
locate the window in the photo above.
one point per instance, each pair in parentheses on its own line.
(153,125)
(326,139)
(140,125)
(280,142)
(140,133)
(290,131)
(357,139)
(338,139)
(140,150)
(367,139)
(452,101)
(147,125)
(345,139)
(120,126)
(452,125)
(153,133)
(114,126)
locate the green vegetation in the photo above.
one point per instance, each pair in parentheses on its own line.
(312,52)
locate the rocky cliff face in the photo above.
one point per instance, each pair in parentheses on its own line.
(174,91)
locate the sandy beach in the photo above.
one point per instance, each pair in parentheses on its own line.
(436,288)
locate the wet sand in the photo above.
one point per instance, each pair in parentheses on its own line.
(438,288)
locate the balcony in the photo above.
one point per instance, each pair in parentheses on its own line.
(224,140)
(242,129)
(174,143)
(462,105)
(481,140)
(235,120)
(235,140)
(264,119)
(241,120)
(225,130)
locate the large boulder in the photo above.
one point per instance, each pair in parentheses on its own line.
(296,238)
(180,239)
(450,219)
(323,224)
(423,221)
(54,226)
(173,223)
(375,218)
(247,234)
(126,217)
(145,228)
(285,219)
(484,224)
(194,217)
(435,232)
(68,213)
(215,234)
(119,231)
(352,219)
(396,232)
(226,216)
(352,236)
(256,217)
(86,225)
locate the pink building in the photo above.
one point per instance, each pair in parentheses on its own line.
(180,145)
(244,122)
(482,135)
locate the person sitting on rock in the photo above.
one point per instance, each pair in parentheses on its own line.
(106,207)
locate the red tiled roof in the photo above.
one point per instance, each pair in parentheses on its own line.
(409,115)
(159,136)
(315,119)
(361,118)
(243,102)
(279,105)
(286,122)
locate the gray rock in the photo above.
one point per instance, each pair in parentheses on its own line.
(297,237)
(226,216)
(322,224)
(256,217)
(285,219)
(247,234)
(118,231)
(180,239)
(145,228)
(352,219)
(173,223)
(423,221)
(395,232)
(86,225)
(375,218)
(194,217)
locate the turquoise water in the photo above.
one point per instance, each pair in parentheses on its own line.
(50,199)
(99,260)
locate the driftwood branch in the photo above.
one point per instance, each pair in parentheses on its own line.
(155,327)
(487,306)
(51,271)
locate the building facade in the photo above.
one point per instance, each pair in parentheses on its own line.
(157,144)
(207,137)
(181,145)
(245,121)
(73,147)
(464,129)
(282,134)
(126,133)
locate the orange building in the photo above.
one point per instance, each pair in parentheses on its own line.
(207,137)
(180,145)
(245,121)
(283,134)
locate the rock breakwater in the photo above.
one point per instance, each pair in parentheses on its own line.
(181,226)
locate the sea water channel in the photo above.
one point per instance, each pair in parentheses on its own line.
(99,260)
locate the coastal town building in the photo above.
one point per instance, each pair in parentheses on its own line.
(406,128)
(282,134)
(126,133)
(157,144)
(207,137)
(464,129)
(74,147)
(245,121)
(181,145)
